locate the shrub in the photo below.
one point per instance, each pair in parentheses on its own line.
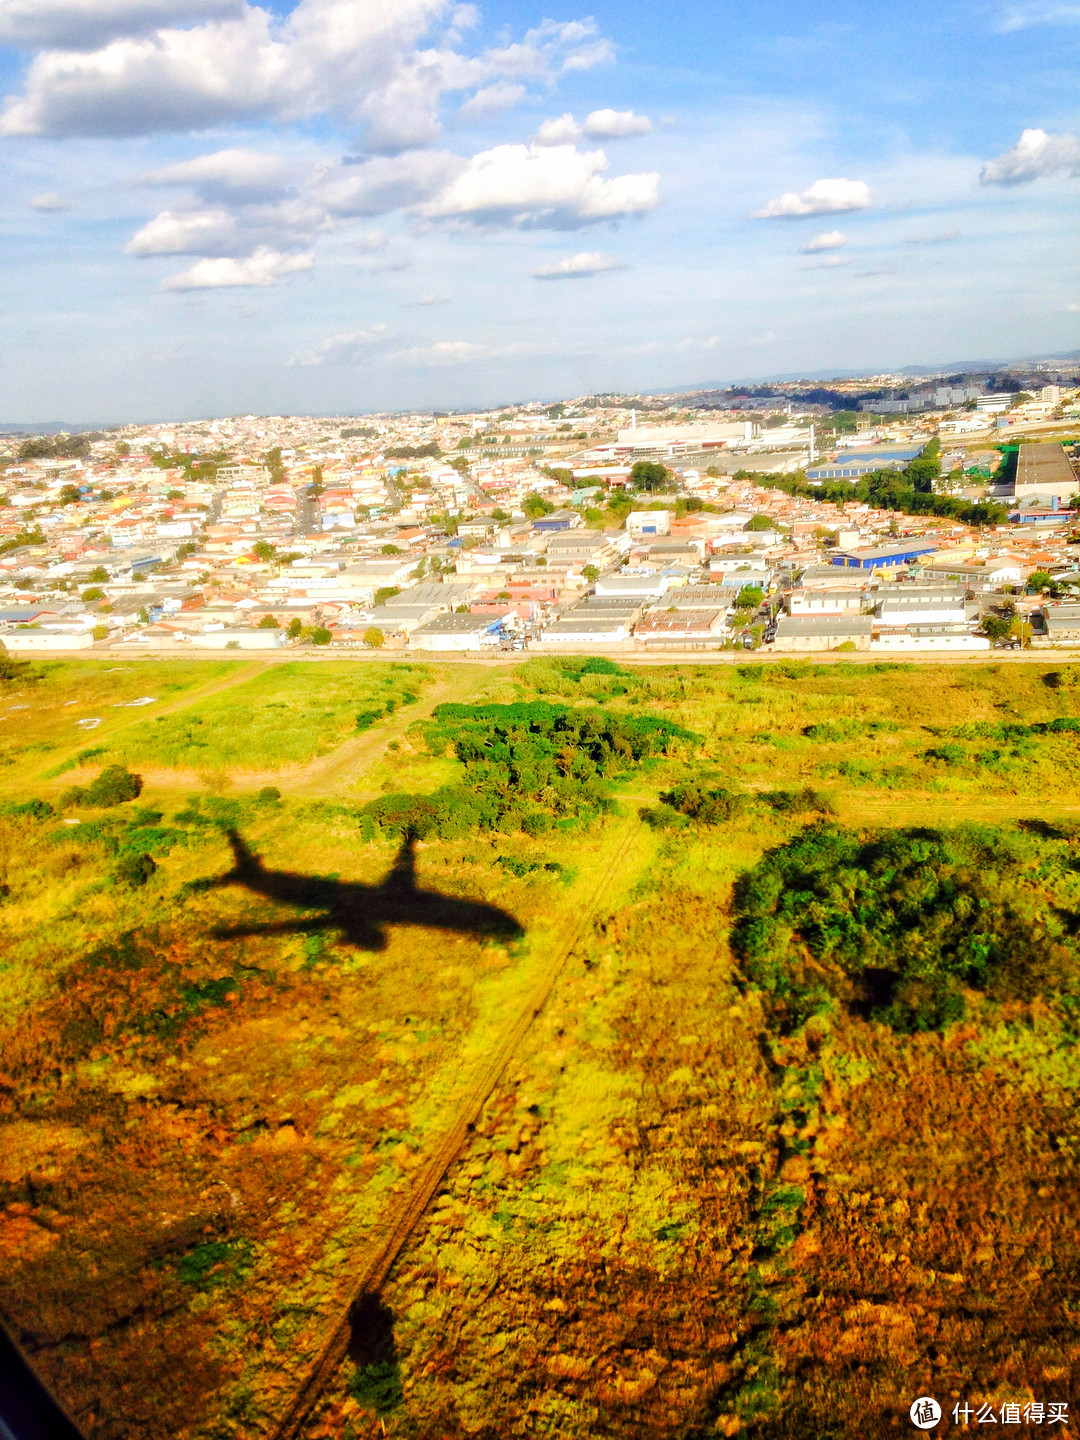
(268,795)
(133,871)
(374,638)
(113,786)
(320,635)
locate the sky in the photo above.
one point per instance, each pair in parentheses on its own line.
(218,207)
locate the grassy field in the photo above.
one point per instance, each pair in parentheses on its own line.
(676,1217)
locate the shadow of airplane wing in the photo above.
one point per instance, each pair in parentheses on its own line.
(365,935)
(359,912)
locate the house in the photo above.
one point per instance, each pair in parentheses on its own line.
(909,605)
(649,522)
(457,632)
(76,638)
(882,557)
(930,637)
(559,520)
(680,629)
(825,602)
(632,587)
(228,639)
(584,628)
(823,632)
(1062,624)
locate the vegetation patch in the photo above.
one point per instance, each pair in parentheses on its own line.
(898,924)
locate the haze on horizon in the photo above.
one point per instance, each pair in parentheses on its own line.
(220,207)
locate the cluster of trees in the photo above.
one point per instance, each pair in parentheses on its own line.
(49,447)
(429,451)
(897,924)
(527,767)
(693,803)
(908,491)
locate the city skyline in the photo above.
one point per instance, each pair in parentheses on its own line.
(220,208)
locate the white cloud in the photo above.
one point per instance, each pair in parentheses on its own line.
(362,63)
(940,237)
(827,240)
(463,352)
(598,125)
(493,99)
(50,202)
(79,24)
(615,124)
(564,130)
(195,232)
(827,262)
(1039,12)
(237,175)
(1034,156)
(554,187)
(265,267)
(576,267)
(350,349)
(824,197)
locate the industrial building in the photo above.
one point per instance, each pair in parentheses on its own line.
(882,557)
(1044,469)
(823,632)
(856,464)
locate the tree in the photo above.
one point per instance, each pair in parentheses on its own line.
(133,871)
(1039,580)
(996,627)
(174,495)
(591,573)
(390,550)
(460,463)
(274,464)
(500,516)
(264,550)
(649,475)
(269,622)
(100,632)
(760,522)
(69,495)
(320,635)
(123,448)
(98,576)
(374,638)
(94,592)
(316,488)
(187,548)
(385,593)
(535,506)
(749,597)
(295,627)
(144,616)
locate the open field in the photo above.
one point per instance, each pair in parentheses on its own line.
(718,1188)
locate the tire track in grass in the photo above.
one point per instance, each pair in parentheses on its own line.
(392,1233)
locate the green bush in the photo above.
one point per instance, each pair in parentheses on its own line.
(527,767)
(113,786)
(133,871)
(898,923)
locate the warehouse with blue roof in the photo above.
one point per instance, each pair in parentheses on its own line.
(854,465)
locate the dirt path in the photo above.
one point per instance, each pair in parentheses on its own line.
(372,1265)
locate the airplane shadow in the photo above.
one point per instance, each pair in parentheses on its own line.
(360,913)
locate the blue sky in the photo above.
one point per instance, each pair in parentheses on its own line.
(343,205)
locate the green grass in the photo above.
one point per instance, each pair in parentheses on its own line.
(288,715)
